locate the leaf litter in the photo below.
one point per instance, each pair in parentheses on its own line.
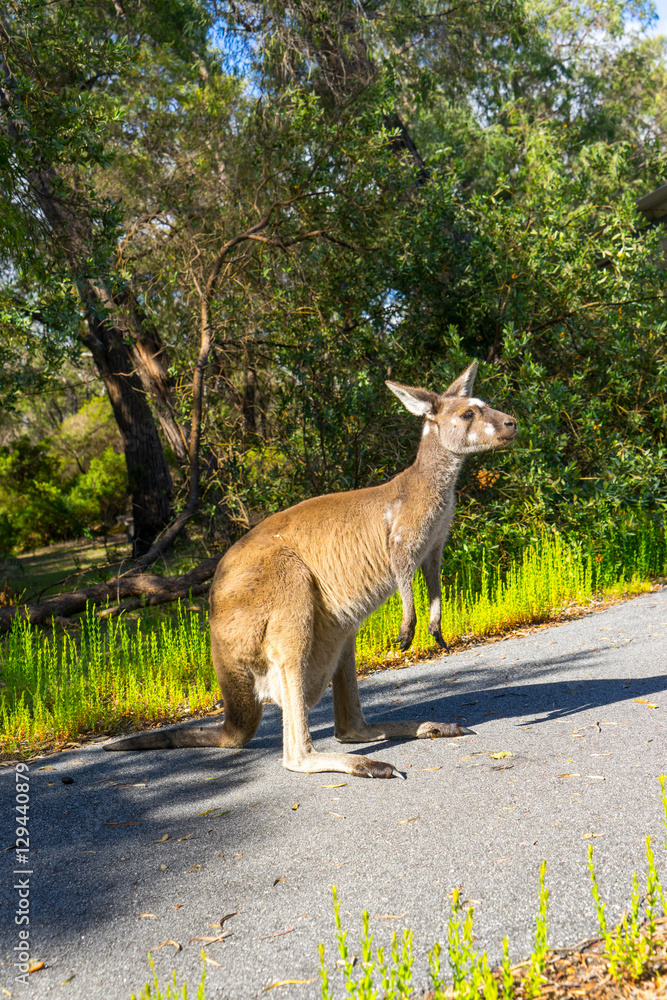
(175,944)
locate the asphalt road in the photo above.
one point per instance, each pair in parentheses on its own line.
(143,848)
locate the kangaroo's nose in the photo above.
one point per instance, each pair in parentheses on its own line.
(510,422)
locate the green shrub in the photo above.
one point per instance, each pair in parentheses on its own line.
(41,503)
(33,507)
(100,495)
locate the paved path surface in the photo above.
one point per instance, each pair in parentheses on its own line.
(586,756)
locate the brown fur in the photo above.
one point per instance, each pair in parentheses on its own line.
(288,598)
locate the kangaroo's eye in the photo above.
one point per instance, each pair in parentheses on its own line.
(468,415)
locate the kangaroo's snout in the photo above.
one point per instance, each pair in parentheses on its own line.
(511,429)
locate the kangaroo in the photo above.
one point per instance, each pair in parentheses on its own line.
(288,598)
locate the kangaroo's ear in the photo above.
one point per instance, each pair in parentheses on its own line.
(462,386)
(417,401)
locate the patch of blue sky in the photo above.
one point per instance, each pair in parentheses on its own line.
(660,25)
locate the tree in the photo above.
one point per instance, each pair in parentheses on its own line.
(62,235)
(357,192)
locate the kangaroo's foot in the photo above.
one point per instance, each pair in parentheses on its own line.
(371,732)
(347,763)
(172,737)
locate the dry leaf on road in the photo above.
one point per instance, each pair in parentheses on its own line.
(287,982)
(143,915)
(211,940)
(175,944)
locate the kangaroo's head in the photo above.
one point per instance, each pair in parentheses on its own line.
(461,423)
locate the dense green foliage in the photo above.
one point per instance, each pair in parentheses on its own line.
(352,192)
(69,483)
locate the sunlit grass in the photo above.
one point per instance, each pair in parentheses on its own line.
(58,685)
(552,574)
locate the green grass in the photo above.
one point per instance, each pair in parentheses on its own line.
(59,686)
(631,952)
(96,677)
(552,573)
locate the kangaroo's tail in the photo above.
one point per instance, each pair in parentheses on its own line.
(190,734)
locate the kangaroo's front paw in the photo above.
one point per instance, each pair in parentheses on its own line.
(437,635)
(367,768)
(436,730)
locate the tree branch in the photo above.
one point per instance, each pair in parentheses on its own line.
(149,588)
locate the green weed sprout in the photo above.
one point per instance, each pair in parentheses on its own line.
(396,977)
(172,991)
(538,959)
(631,946)
(508,978)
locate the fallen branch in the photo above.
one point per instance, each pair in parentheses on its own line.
(149,588)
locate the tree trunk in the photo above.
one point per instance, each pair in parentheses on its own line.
(149,357)
(108,334)
(147,470)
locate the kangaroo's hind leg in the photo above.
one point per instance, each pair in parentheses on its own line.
(349,723)
(243,712)
(298,662)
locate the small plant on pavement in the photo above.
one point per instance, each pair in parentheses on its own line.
(171,991)
(395,976)
(538,959)
(632,944)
